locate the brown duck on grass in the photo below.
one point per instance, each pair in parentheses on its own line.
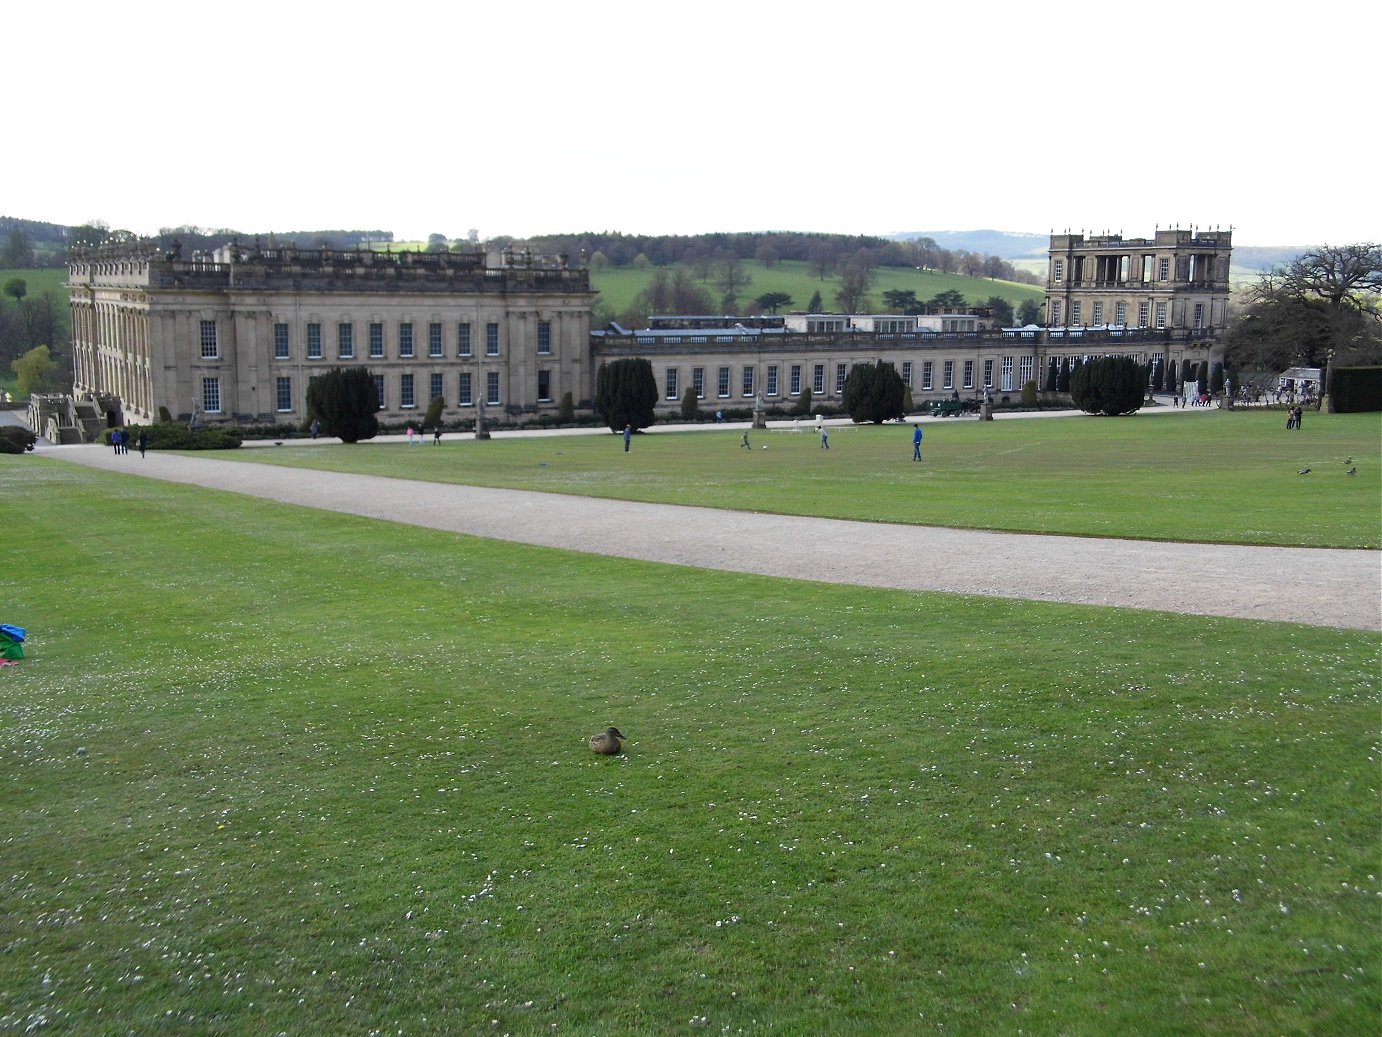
(608,742)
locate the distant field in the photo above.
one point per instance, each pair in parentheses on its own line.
(619,287)
(38,281)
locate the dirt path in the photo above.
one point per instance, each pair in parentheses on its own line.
(1318,587)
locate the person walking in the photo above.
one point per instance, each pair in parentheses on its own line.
(316,428)
(825,438)
(628,437)
(411,434)
(143,441)
(745,441)
(436,435)
(916,442)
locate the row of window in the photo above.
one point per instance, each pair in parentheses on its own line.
(284,400)
(465,396)
(1115,267)
(748,384)
(1021,367)
(1120,314)
(405,340)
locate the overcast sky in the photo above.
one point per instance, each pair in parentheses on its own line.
(865,117)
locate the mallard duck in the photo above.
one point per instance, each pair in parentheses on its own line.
(608,742)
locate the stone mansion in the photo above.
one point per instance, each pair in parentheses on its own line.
(235,336)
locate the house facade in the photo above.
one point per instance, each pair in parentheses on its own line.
(1175,281)
(236,335)
(1157,300)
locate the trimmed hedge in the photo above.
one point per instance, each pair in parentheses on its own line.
(1355,390)
(177,436)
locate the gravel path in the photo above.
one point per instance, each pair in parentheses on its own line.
(1332,588)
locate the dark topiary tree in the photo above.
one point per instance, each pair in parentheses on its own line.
(690,406)
(344,400)
(874,392)
(803,401)
(1216,379)
(1172,382)
(626,393)
(566,409)
(1109,385)
(1029,393)
(1158,375)
(15,439)
(434,409)
(1063,380)
(1052,375)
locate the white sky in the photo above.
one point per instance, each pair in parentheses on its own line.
(866,117)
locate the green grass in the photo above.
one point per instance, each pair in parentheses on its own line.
(271,770)
(1227,477)
(619,286)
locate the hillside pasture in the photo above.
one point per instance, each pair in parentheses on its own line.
(619,287)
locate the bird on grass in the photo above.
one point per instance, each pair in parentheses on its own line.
(1348,460)
(608,742)
(1352,471)
(1304,471)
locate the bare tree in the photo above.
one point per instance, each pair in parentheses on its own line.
(1322,307)
(730,274)
(852,295)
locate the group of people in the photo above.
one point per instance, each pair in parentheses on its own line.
(415,435)
(824,431)
(120,440)
(1293,417)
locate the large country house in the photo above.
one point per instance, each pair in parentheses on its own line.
(235,336)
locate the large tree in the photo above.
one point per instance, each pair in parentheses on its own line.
(730,274)
(346,403)
(1321,307)
(853,293)
(1002,310)
(626,393)
(772,301)
(901,300)
(875,392)
(37,371)
(18,253)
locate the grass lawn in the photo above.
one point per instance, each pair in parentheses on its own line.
(1218,477)
(273,770)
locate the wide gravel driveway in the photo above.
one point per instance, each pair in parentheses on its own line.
(1333,588)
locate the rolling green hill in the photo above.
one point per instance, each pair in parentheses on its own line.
(619,287)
